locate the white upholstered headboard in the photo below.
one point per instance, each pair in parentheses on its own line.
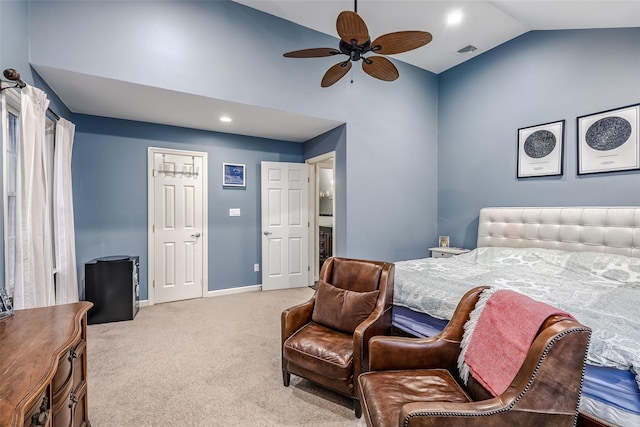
(594,229)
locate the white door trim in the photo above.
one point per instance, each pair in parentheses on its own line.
(151,151)
(314,227)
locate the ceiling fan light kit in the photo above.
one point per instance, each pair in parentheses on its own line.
(355,43)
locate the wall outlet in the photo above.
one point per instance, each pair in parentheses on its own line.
(256,267)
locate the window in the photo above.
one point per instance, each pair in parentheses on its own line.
(11,138)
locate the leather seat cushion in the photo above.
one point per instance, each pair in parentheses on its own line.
(320,349)
(386,392)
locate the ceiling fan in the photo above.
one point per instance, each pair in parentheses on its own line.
(355,43)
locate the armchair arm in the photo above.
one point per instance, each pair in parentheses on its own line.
(378,323)
(440,351)
(295,317)
(394,353)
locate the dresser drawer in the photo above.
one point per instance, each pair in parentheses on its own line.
(78,357)
(446,252)
(62,406)
(80,406)
(39,414)
(63,374)
(440,254)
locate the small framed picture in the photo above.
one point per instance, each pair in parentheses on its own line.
(443,241)
(6,307)
(233,175)
(608,141)
(540,150)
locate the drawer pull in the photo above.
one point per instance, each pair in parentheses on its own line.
(41,418)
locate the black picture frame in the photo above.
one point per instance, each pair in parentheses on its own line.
(609,141)
(541,150)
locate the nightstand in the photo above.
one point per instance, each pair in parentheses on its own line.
(442,252)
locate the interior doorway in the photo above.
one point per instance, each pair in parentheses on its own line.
(322,210)
(284,211)
(178,237)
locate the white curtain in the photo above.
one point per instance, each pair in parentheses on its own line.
(64,234)
(34,247)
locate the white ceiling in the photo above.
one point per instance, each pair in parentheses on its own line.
(130,101)
(485,25)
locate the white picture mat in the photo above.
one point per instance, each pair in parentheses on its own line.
(624,157)
(233,175)
(550,164)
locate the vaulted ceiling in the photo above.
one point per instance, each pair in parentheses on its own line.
(483,24)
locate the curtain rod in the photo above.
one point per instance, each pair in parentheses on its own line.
(14,76)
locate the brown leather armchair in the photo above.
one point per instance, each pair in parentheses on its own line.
(415,381)
(325,339)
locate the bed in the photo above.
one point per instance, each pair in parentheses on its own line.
(585,260)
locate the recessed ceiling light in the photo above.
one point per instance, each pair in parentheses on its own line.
(225,119)
(454,17)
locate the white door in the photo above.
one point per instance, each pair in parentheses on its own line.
(285,234)
(178,226)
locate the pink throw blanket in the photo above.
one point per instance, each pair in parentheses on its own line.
(502,336)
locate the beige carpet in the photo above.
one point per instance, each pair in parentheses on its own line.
(204,362)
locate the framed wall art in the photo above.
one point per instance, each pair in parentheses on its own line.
(608,141)
(233,175)
(540,150)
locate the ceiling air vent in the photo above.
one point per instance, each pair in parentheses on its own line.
(467,50)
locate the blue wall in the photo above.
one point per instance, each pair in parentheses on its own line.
(539,77)
(228,51)
(110,193)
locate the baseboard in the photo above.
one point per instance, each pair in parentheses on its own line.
(230,291)
(217,293)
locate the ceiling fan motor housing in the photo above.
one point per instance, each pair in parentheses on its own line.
(353,50)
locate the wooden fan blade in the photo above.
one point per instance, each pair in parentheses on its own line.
(380,68)
(351,27)
(401,41)
(335,73)
(312,53)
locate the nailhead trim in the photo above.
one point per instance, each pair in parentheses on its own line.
(526,388)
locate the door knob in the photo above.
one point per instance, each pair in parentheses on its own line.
(266,233)
(196,235)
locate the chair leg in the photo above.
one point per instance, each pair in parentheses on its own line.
(286,378)
(357,408)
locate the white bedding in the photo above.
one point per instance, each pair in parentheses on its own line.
(601,290)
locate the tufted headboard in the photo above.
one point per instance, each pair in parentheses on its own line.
(594,229)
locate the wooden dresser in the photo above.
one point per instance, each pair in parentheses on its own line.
(43,367)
